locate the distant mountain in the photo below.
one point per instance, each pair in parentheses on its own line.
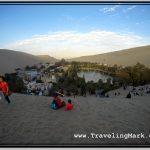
(9,60)
(47,58)
(125,57)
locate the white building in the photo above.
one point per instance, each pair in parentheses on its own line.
(31,74)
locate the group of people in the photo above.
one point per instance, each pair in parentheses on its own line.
(58,103)
(117,93)
(4,89)
(138,91)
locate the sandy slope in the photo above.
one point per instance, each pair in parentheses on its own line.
(10,60)
(126,57)
(29,120)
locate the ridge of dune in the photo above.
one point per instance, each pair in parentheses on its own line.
(10,60)
(125,57)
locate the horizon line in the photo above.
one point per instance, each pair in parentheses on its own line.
(74,57)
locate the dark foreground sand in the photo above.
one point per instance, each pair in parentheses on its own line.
(29,120)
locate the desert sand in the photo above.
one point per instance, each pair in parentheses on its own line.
(20,59)
(29,120)
(127,57)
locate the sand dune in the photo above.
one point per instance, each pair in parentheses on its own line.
(29,120)
(9,60)
(47,58)
(124,57)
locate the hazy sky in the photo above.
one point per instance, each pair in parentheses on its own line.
(66,31)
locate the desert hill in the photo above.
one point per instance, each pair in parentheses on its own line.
(123,57)
(9,60)
(47,58)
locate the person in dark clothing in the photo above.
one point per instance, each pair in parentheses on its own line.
(128,95)
(107,95)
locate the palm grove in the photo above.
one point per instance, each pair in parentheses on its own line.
(122,76)
(72,84)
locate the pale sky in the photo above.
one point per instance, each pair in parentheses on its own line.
(67,31)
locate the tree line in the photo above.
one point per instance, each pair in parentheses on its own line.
(72,84)
(122,76)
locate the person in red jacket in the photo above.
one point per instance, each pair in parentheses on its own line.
(4,88)
(58,101)
(69,106)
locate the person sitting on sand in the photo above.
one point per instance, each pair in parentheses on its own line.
(69,106)
(54,105)
(57,102)
(124,87)
(5,89)
(107,95)
(128,95)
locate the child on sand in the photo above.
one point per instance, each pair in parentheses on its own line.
(69,106)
